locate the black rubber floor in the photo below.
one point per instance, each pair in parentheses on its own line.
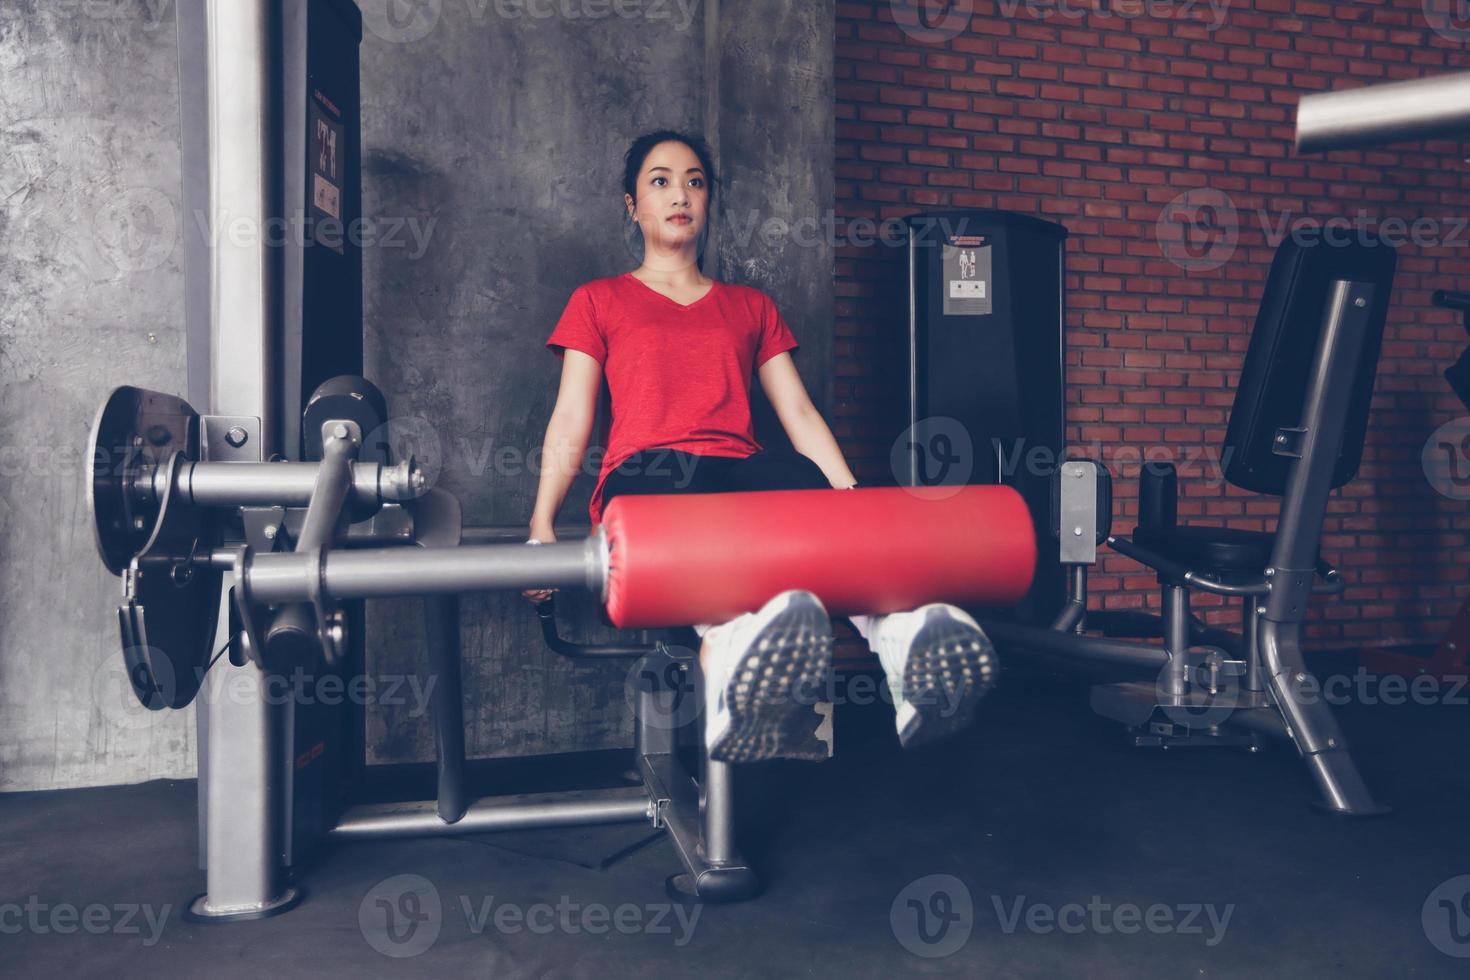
(1063,853)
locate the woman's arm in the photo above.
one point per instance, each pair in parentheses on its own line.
(567,435)
(804,425)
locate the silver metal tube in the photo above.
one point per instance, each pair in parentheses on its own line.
(293,634)
(421,819)
(246,185)
(1074,647)
(276,484)
(373,573)
(1377,114)
(1176,638)
(719,813)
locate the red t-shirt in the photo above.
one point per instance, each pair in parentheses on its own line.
(679,376)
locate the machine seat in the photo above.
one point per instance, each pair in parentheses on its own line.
(1208,549)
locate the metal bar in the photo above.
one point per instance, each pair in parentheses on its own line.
(373,573)
(727,880)
(292,636)
(1395,112)
(507,533)
(1255,675)
(1074,647)
(521,812)
(1176,638)
(1073,617)
(719,811)
(446,705)
(1294,554)
(242,790)
(244,754)
(272,484)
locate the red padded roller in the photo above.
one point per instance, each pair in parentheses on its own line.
(706,558)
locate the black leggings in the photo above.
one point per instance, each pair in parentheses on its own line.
(675,471)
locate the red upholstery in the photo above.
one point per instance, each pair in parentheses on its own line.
(705,558)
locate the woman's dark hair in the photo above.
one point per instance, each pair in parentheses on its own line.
(638,153)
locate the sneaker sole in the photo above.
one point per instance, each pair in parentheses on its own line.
(793,653)
(950,667)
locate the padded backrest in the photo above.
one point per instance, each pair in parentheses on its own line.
(1278,364)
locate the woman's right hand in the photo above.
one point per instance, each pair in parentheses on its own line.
(545,535)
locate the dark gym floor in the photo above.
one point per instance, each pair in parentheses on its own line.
(1037,808)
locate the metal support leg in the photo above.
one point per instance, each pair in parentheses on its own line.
(700,818)
(441,627)
(1311,725)
(1176,639)
(244,764)
(1255,674)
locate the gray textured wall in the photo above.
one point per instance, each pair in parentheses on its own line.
(522,182)
(497,142)
(91,296)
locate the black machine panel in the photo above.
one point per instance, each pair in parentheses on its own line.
(977,388)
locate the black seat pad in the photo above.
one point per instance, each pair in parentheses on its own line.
(1218,549)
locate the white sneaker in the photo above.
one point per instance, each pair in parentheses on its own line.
(760,666)
(939,664)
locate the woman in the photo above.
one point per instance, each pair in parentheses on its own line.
(678,350)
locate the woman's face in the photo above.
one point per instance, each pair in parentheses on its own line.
(673,198)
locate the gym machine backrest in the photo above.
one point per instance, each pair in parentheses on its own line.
(1265,420)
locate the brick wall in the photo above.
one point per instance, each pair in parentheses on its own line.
(1099,119)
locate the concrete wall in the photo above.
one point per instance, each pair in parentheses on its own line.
(493,144)
(91,296)
(522,185)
